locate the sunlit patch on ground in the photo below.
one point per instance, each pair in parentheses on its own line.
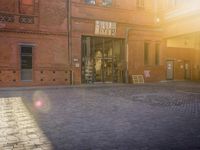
(18,129)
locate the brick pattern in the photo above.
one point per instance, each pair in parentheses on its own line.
(40,77)
(46,76)
(6,5)
(18,129)
(8,76)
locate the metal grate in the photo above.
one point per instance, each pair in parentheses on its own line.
(26,19)
(6,18)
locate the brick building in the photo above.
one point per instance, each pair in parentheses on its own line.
(109,40)
(181,22)
(33,42)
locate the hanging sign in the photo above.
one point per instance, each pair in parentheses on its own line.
(105,28)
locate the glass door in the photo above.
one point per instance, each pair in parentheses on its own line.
(108,60)
(107,70)
(102,59)
(98,59)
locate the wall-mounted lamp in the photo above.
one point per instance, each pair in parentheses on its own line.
(157,20)
(186,42)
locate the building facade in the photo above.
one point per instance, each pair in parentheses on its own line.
(33,43)
(108,39)
(181,23)
(62,42)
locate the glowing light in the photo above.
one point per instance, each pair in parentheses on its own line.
(38,103)
(187,8)
(158,20)
(41,101)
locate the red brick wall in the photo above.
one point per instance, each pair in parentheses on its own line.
(50,59)
(48,34)
(137,38)
(180,55)
(124,13)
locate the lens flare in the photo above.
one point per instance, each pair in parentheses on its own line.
(41,101)
(38,103)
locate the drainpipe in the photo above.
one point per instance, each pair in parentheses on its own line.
(126,54)
(69,31)
(69,35)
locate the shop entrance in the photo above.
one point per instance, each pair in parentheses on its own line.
(102,59)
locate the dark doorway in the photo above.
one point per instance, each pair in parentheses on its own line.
(26,63)
(187,69)
(102,59)
(170,69)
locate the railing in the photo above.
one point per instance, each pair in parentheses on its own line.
(9,18)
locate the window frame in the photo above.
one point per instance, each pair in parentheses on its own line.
(21,2)
(109,4)
(87,2)
(157,54)
(27,9)
(146,53)
(140,4)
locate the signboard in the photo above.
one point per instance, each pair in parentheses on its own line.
(105,28)
(147,73)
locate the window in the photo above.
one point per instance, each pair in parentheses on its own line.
(27,2)
(172,4)
(91,2)
(26,63)
(7,5)
(157,54)
(26,6)
(140,3)
(107,3)
(146,53)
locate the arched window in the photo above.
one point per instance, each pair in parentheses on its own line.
(26,6)
(7,5)
(107,3)
(140,3)
(91,2)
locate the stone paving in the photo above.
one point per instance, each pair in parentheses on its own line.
(18,130)
(162,116)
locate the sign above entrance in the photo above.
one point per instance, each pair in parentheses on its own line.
(105,28)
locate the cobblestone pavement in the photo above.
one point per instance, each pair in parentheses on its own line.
(18,130)
(162,116)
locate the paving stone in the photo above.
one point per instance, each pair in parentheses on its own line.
(161,116)
(18,127)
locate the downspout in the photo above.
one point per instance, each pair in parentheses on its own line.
(68,2)
(126,54)
(69,30)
